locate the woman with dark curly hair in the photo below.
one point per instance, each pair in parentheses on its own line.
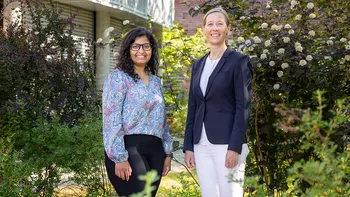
(135,131)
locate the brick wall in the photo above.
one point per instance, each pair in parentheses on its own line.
(189,23)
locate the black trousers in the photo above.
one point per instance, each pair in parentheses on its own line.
(146,153)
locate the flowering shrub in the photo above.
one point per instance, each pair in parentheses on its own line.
(296,47)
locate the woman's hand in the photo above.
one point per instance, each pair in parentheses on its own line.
(231,159)
(189,159)
(167,166)
(123,170)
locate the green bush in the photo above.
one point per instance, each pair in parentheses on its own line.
(13,171)
(49,107)
(178,52)
(327,171)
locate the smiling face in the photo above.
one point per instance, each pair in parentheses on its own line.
(141,56)
(216,28)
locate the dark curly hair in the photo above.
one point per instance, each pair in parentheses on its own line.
(124,61)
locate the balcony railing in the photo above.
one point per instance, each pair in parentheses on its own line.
(138,7)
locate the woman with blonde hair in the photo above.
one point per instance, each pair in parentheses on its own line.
(218,110)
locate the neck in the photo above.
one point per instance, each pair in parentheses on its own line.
(217,51)
(140,70)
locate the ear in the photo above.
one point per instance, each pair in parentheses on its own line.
(229,31)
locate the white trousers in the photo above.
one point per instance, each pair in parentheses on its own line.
(212,174)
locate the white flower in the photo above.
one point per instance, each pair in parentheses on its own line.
(272,63)
(274,27)
(291,31)
(347,57)
(342,61)
(332,38)
(264,25)
(312,15)
(312,33)
(111,40)
(310,6)
(276,86)
(242,17)
(99,40)
(309,58)
(294,2)
(284,65)
(268,5)
(281,51)
(297,44)
(287,26)
(263,56)
(110,29)
(280,73)
(267,43)
(240,40)
(36,32)
(299,48)
(251,49)
(276,11)
(330,42)
(258,65)
(302,62)
(327,57)
(298,17)
(347,47)
(343,40)
(279,27)
(248,42)
(265,51)
(286,39)
(125,22)
(257,39)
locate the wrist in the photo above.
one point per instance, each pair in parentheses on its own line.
(169,155)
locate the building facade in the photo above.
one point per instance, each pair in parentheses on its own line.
(182,16)
(96,16)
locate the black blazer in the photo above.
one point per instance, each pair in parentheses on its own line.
(225,106)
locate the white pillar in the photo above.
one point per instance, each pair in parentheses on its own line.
(102,54)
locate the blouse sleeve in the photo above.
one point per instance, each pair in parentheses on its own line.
(166,140)
(114,91)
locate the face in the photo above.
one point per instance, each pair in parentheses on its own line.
(141,51)
(215,28)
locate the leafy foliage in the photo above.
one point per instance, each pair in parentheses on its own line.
(177,53)
(327,172)
(48,105)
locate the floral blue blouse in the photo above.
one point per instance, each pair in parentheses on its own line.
(131,107)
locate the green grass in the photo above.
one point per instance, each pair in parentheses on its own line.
(179,184)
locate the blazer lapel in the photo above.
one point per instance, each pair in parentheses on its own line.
(197,80)
(217,69)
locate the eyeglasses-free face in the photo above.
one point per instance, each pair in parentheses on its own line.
(145,47)
(216,29)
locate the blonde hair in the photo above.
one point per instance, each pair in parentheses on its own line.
(219,10)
